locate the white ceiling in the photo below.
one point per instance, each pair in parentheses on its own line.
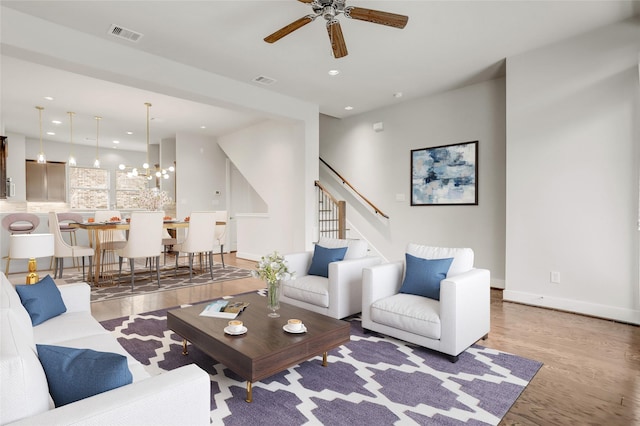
(446,44)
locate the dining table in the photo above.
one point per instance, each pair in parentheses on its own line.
(101,233)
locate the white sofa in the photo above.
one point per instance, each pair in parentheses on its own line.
(181,396)
(449,325)
(340,294)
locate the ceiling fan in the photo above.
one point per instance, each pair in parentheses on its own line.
(329,10)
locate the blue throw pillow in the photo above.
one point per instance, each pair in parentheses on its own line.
(322,256)
(75,374)
(41,300)
(423,276)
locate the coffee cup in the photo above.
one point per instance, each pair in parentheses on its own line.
(294,324)
(235,326)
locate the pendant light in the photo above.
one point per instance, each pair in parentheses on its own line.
(42,159)
(72,159)
(145,166)
(96,163)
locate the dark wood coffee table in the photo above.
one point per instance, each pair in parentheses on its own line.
(266,349)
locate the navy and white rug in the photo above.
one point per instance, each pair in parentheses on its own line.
(372,380)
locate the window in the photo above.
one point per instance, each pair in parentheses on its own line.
(89,188)
(127,189)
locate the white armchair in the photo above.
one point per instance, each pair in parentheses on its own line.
(449,325)
(340,293)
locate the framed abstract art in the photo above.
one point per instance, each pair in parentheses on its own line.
(445,175)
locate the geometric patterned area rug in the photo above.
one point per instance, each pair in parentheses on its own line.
(372,380)
(167,281)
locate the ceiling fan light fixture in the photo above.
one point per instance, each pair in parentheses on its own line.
(329,10)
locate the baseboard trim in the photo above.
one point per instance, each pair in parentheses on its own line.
(628,316)
(248,256)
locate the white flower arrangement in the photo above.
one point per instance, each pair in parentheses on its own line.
(273,268)
(152,199)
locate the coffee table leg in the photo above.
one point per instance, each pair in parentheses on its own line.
(249,392)
(184,347)
(324,359)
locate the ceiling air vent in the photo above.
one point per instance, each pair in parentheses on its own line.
(264,80)
(120,32)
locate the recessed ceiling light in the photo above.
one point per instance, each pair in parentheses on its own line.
(116,142)
(203,127)
(56,121)
(49,98)
(334,72)
(348,108)
(129,133)
(51,133)
(397,95)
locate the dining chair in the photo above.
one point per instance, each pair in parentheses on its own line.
(62,249)
(200,239)
(65,219)
(145,241)
(167,243)
(110,240)
(220,232)
(19,223)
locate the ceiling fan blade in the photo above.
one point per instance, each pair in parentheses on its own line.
(288,29)
(306,1)
(337,39)
(376,16)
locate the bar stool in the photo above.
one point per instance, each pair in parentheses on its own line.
(19,223)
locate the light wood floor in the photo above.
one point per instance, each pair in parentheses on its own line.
(591,371)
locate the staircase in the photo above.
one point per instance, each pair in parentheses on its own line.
(331,214)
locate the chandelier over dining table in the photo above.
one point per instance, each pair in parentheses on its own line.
(146,166)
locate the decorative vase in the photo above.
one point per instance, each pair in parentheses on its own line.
(273,299)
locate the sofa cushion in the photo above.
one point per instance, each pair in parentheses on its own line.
(462,257)
(322,256)
(415,314)
(75,325)
(41,300)
(356,249)
(423,276)
(75,374)
(23,391)
(308,288)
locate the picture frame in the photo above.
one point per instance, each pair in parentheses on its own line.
(445,175)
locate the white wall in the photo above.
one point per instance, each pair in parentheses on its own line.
(271,156)
(378,165)
(573,136)
(201,166)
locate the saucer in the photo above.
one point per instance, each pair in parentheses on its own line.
(235,333)
(288,330)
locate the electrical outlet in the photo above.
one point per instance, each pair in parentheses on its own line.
(555,277)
